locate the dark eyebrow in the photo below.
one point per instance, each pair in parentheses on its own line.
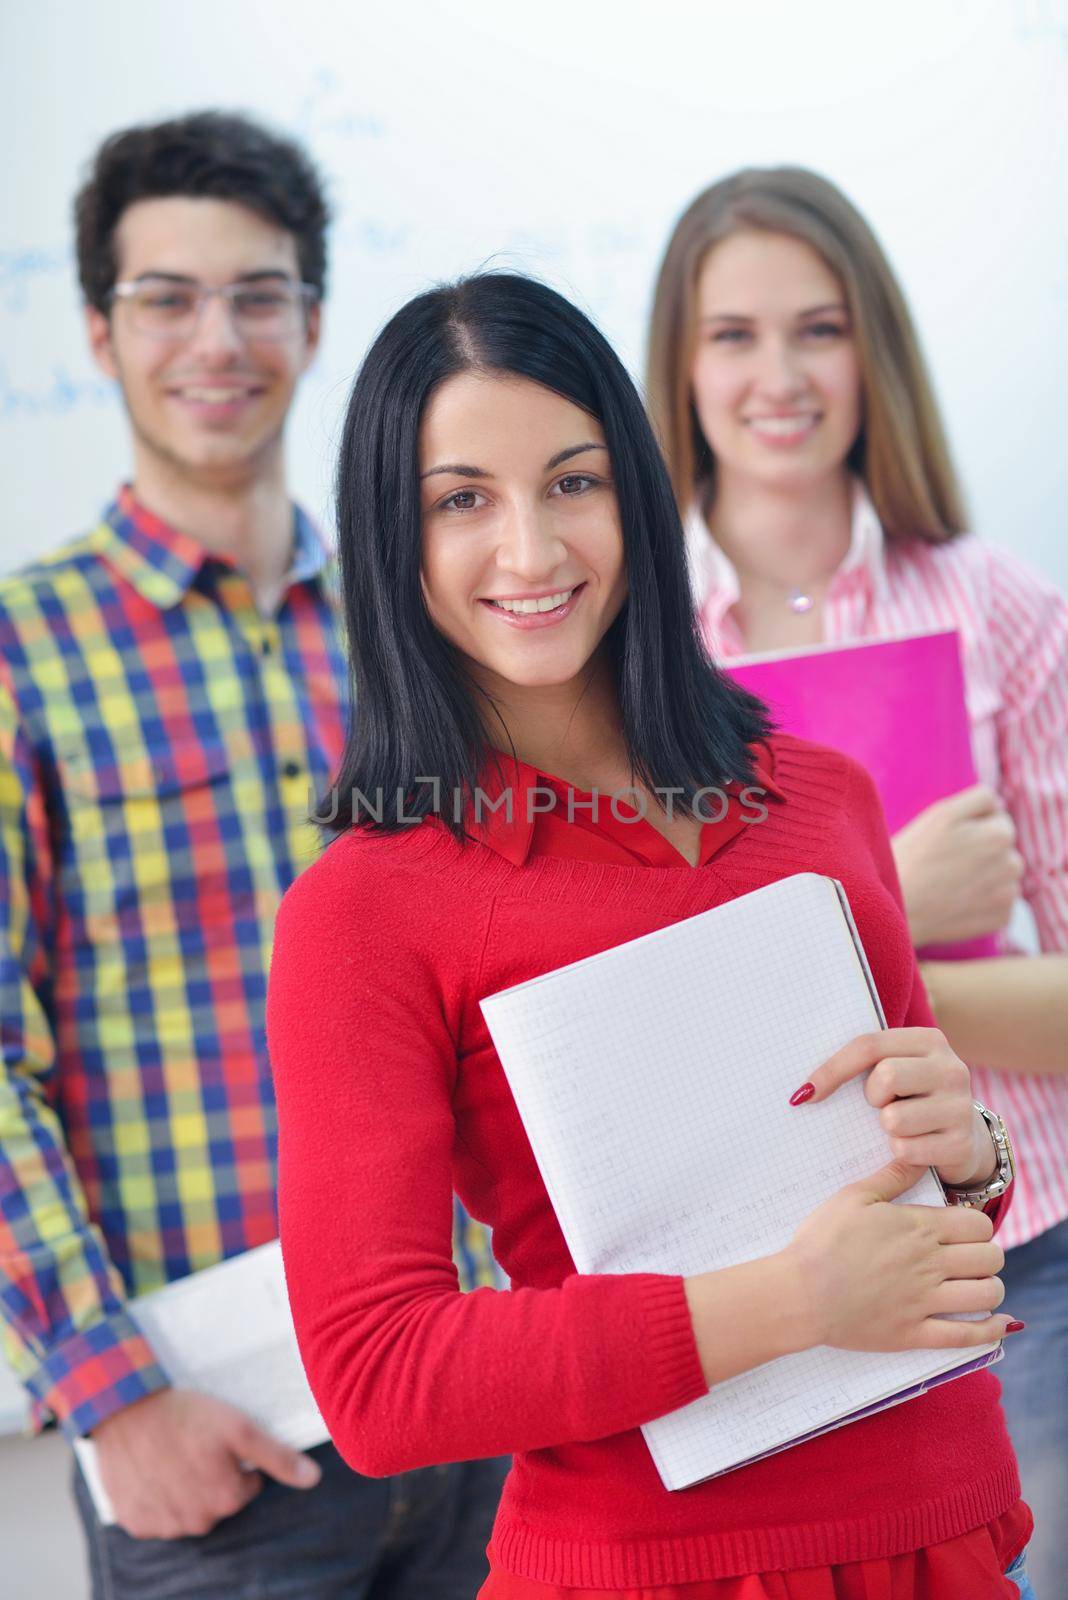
(257,276)
(459,469)
(573,450)
(265,273)
(169,277)
(463,471)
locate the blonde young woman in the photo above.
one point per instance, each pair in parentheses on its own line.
(808,457)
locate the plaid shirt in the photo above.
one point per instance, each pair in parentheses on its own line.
(159,741)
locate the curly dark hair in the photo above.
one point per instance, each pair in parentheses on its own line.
(215,154)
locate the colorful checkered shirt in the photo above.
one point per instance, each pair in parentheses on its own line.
(159,743)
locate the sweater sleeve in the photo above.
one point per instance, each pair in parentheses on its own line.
(406,1369)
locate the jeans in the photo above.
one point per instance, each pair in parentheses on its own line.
(418,1536)
(1034,1382)
(1018,1573)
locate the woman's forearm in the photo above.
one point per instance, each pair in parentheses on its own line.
(746,1315)
(1008,1012)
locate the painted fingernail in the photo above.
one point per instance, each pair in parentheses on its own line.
(1015,1327)
(799,1096)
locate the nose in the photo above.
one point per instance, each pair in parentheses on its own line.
(215,338)
(780,374)
(530,548)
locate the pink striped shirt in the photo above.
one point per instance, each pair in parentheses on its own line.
(1014,635)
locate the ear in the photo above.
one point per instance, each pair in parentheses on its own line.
(313,328)
(98,328)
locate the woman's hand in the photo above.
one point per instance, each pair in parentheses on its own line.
(922,1091)
(869,1275)
(959,868)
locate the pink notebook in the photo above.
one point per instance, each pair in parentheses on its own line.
(895,705)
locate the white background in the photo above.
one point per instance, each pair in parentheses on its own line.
(561,138)
(564,138)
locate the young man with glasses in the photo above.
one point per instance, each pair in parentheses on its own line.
(171,693)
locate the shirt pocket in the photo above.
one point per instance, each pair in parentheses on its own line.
(144,832)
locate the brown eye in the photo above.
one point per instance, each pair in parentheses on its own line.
(461,500)
(575,483)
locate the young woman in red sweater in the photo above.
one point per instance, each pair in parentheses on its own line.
(515,585)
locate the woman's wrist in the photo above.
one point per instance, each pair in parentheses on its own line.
(986,1159)
(915,911)
(932,975)
(746,1315)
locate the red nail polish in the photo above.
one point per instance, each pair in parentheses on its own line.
(1015,1327)
(799,1096)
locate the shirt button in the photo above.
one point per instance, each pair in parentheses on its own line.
(291,769)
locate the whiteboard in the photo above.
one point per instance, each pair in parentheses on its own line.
(563,139)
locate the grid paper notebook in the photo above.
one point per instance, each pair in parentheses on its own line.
(653,1083)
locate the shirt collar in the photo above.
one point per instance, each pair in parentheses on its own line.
(714,579)
(162,563)
(503,819)
(506,817)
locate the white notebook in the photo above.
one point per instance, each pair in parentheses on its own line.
(226,1331)
(653,1081)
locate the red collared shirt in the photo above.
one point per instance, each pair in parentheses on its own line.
(521,812)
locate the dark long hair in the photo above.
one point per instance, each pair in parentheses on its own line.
(415,711)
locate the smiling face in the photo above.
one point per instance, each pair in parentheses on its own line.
(775,374)
(522,566)
(212,404)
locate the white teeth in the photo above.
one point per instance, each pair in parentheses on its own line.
(215,397)
(525,608)
(781,425)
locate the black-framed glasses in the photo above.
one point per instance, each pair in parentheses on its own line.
(171,308)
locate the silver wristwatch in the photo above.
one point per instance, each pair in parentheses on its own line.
(1004,1173)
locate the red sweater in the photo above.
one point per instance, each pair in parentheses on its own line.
(390,1094)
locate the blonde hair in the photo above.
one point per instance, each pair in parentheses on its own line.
(901,452)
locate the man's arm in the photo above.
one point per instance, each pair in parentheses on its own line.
(73,1343)
(173,1462)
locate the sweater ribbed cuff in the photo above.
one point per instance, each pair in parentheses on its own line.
(670,1342)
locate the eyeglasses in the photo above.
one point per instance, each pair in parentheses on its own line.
(166,308)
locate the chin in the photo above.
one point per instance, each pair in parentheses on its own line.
(531,675)
(795,474)
(221,456)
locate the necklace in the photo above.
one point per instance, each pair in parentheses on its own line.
(799,602)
